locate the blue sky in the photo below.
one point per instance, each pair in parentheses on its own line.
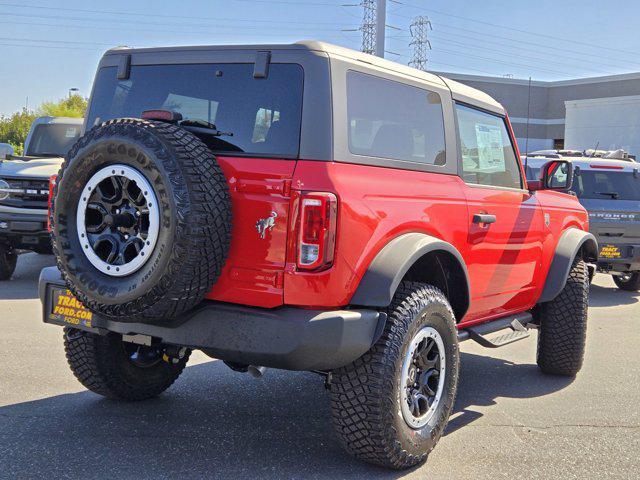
(47,47)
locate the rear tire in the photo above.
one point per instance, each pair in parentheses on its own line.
(8,262)
(563,325)
(629,282)
(367,396)
(114,369)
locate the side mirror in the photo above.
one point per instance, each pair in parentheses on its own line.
(554,175)
(6,151)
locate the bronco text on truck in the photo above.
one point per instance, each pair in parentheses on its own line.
(308,207)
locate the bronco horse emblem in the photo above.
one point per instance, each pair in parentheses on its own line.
(265,224)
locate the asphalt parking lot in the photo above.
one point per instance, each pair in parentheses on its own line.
(510,420)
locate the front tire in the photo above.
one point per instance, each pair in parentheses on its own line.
(563,325)
(118,370)
(629,282)
(8,262)
(391,406)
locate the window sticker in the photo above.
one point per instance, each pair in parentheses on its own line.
(71,132)
(490,152)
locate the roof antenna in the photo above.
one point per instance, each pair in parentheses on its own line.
(526,144)
(593,154)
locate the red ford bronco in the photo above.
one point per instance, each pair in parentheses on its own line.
(308,207)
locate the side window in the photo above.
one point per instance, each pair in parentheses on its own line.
(392,120)
(488,157)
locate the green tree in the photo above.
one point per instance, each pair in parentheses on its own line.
(14,128)
(74,106)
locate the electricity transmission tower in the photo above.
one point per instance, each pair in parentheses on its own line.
(369,26)
(373,25)
(420,42)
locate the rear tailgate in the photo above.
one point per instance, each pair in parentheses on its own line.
(260,193)
(616,229)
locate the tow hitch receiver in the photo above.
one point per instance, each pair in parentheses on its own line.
(173,354)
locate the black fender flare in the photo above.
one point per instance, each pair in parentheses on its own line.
(570,244)
(380,282)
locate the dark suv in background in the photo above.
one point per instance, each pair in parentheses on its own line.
(24,188)
(609,189)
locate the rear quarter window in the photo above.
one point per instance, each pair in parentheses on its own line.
(389,119)
(262,114)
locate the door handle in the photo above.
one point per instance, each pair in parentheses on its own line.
(484,218)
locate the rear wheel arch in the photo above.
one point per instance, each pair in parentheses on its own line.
(420,258)
(573,243)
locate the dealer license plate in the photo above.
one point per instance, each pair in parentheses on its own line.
(65,308)
(610,251)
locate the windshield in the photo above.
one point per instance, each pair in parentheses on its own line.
(53,139)
(606,185)
(257,115)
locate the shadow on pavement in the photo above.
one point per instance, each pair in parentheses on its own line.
(216,423)
(24,283)
(483,379)
(600,296)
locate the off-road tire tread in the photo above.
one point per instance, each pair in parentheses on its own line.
(361,404)
(203,220)
(563,325)
(91,359)
(632,285)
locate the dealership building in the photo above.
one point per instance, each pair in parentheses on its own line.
(575,114)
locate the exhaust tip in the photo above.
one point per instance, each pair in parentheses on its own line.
(256,372)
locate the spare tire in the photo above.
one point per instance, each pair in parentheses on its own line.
(141,220)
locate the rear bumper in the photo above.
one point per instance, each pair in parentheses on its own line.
(287,338)
(630,262)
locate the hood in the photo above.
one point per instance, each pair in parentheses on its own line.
(34,168)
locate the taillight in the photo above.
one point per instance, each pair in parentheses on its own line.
(52,184)
(317,230)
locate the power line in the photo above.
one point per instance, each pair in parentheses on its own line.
(138,22)
(133,29)
(140,14)
(420,42)
(479,36)
(518,30)
(453,27)
(589,58)
(515,55)
(512,64)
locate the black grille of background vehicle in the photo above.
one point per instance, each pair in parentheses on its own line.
(35,193)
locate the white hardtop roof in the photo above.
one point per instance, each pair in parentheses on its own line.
(586,162)
(63,120)
(459,91)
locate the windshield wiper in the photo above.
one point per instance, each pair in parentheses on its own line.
(204,125)
(613,195)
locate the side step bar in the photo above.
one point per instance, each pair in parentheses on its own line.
(516,327)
